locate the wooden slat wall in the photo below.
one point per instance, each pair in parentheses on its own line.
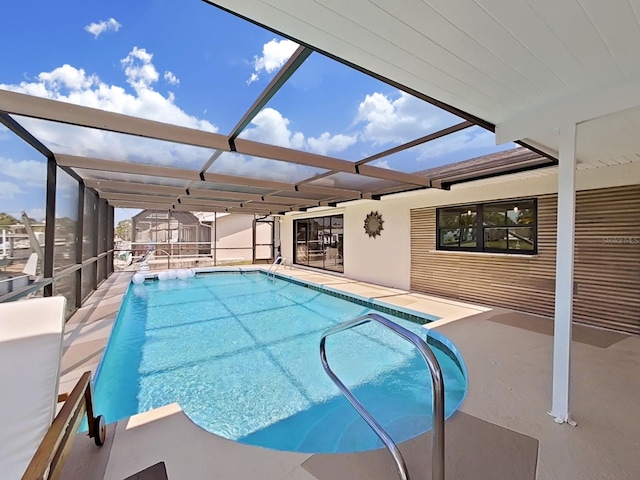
(607,262)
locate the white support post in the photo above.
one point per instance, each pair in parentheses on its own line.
(564,275)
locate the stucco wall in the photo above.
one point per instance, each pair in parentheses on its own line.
(386,259)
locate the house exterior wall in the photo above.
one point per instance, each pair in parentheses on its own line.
(387,259)
(606,272)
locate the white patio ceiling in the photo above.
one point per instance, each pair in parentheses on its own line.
(527,67)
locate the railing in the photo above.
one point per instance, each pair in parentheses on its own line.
(204,253)
(278,262)
(436,380)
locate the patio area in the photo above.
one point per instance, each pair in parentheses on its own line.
(502,429)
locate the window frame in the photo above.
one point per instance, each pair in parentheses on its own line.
(307,221)
(480,228)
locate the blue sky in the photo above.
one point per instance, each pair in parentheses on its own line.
(188,63)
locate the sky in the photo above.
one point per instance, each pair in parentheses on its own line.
(188,63)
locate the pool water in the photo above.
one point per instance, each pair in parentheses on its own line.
(240,354)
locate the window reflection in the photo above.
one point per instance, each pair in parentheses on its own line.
(319,242)
(507,227)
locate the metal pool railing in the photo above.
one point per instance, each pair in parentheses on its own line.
(436,380)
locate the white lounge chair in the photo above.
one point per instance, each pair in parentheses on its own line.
(31,446)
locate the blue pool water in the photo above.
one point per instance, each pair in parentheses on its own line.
(240,354)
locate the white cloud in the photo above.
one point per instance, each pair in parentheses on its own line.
(96,29)
(73,85)
(383,163)
(30,172)
(9,190)
(66,77)
(399,120)
(141,73)
(327,144)
(171,78)
(269,126)
(275,53)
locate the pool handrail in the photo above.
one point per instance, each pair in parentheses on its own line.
(437,381)
(277,263)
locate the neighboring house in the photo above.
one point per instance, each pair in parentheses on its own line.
(233,236)
(493,241)
(218,237)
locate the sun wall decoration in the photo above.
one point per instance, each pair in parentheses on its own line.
(373,224)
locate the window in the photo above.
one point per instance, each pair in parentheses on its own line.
(505,227)
(319,242)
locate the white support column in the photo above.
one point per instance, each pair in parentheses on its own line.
(564,275)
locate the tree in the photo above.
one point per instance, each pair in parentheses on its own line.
(123,230)
(6,219)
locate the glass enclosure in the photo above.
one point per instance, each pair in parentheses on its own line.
(56,235)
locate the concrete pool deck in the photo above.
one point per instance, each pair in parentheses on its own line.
(502,430)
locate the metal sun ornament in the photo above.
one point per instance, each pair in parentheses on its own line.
(373,224)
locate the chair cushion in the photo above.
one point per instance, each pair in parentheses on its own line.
(31,333)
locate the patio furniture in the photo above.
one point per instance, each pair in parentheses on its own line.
(34,444)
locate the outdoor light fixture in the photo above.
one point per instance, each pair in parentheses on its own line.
(515,209)
(469,212)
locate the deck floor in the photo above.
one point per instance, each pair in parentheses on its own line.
(502,430)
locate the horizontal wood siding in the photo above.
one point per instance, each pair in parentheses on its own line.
(607,262)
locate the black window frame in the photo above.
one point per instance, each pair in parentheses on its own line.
(480,227)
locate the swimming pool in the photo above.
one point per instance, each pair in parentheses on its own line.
(240,354)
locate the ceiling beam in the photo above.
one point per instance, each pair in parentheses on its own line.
(247,182)
(246,210)
(274,206)
(254,197)
(71,114)
(415,143)
(214,156)
(213,203)
(200,208)
(140,205)
(53,110)
(333,191)
(274,152)
(222,194)
(394,175)
(274,199)
(131,197)
(22,132)
(133,187)
(297,59)
(88,163)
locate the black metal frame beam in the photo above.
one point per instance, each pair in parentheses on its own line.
(288,69)
(50,223)
(79,242)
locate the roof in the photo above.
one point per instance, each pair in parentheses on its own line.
(570,62)
(420,52)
